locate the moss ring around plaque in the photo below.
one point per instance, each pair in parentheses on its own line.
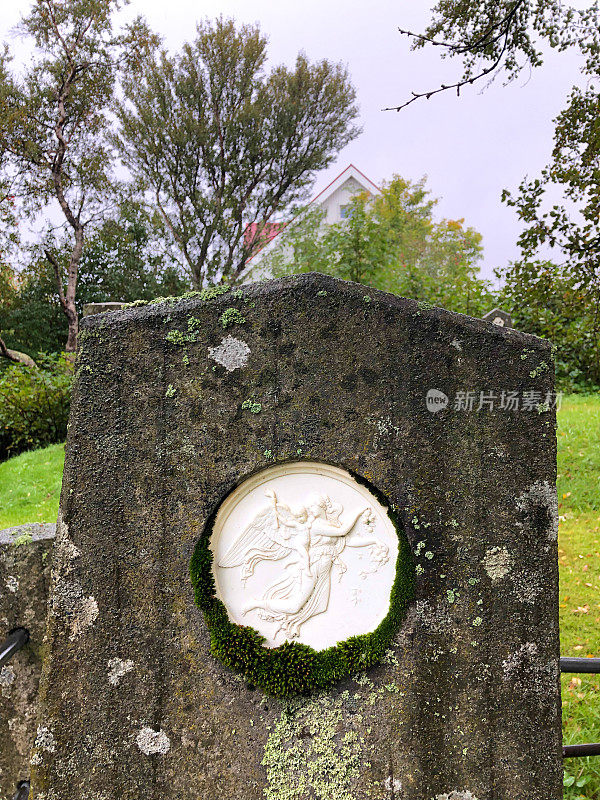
(304,577)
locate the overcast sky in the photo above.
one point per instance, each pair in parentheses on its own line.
(470,147)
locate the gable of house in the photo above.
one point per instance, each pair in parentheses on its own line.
(334,200)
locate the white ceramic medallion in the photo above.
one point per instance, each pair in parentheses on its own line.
(303,552)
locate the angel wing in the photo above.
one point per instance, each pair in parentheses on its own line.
(256,544)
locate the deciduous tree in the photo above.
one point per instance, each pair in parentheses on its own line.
(503,37)
(54,121)
(392,242)
(219,144)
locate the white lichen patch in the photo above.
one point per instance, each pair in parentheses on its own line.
(526,671)
(542,493)
(117,668)
(77,611)
(12,584)
(232,353)
(434,618)
(44,739)
(69,602)
(465,795)
(392,784)
(456,343)
(497,563)
(527,586)
(7,678)
(153,742)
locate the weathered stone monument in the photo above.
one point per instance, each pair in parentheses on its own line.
(307,549)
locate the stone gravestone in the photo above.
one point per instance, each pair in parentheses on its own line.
(307,549)
(498,317)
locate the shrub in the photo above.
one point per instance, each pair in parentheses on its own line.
(34,404)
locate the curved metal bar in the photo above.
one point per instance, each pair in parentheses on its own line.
(581,665)
(14,642)
(578,750)
(22,792)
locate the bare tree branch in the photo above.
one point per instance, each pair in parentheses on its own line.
(494,33)
(15,356)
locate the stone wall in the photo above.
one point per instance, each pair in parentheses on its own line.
(25,558)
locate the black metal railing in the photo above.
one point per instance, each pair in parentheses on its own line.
(14,642)
(587,666)
(22,792)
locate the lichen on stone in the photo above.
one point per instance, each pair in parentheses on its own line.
(44,739)
(232,353)
(252,406)
(152,742)
(231,316)
(7,678)
(308,754)
(543,494)
(68,602)
(117,668)
(497,563)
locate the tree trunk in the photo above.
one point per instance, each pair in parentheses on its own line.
(67,300)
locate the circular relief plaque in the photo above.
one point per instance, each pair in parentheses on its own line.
(302,558)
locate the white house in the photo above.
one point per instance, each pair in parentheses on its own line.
(334,200)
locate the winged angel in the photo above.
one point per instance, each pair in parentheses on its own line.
(313,538)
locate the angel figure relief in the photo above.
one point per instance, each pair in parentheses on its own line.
(312,539)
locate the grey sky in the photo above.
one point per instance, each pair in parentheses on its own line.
(469,147)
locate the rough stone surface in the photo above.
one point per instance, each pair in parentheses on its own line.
(24,582)
(466,704)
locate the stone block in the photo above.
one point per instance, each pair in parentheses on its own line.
(25,557)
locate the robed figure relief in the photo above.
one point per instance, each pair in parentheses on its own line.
(312,540)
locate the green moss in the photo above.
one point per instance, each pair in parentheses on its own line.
(542,367)
(170,391)
(210,293)
(252,406)
(293,668)
(231,316)
(24,538)
(179,338)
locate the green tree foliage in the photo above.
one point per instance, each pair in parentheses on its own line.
(392,242)
(54,120)
(550,301)
(120,262)
(219,144)
(560,209)
(34,405)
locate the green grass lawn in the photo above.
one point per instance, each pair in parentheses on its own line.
(579,560)
(30,487)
